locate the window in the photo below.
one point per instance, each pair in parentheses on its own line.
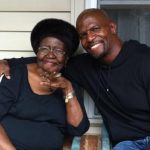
(132,18)
(90,107)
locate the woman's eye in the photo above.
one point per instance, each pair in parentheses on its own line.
(59,51)
(44,49)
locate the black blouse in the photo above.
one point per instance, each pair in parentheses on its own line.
(32,121)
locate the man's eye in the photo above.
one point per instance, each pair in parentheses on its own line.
(95,29)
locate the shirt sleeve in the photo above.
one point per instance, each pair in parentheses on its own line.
(145,75)
(23,60)
(8,94)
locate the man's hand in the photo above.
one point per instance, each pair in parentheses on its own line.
(4,68)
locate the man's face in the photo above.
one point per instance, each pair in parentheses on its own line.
(95,33)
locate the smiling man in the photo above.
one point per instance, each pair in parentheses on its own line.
(116,75)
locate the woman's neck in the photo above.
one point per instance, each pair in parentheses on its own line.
(36,75)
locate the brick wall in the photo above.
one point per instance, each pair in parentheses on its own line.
(88,142)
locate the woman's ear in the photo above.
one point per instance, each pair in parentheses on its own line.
(66,60)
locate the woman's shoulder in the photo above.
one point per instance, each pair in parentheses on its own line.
(18,70)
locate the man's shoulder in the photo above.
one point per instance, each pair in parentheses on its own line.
(139,51)
(137,47)
(78,64)
(136,44)
(83,58)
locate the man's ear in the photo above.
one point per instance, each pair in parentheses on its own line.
(113,28)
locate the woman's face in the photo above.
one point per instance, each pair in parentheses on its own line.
(51,55)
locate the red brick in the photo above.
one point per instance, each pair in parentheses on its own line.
(90,142)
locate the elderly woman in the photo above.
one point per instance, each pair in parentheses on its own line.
(34,116)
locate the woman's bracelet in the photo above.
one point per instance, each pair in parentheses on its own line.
(69,96)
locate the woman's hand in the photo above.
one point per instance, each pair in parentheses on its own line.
(7,147)
(73,108)
(56,81)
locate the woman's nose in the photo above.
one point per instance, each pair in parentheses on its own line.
(51,54)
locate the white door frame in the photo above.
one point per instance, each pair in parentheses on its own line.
(90,3)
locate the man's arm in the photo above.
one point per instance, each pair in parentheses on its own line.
(22,60)
(4,68)
(6,64)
